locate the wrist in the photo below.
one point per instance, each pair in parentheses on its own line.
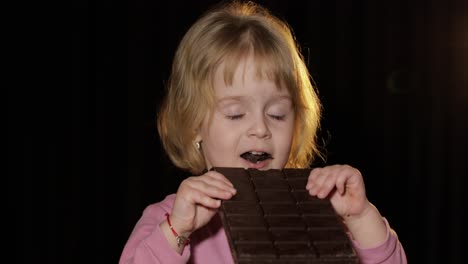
(365,213)
(367,228)
(179,226)
(182,238)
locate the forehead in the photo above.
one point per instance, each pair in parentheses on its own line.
(247,72)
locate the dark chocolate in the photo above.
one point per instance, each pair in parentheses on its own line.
(273,219)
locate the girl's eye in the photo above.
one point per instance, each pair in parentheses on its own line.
(278,117)
(234,117)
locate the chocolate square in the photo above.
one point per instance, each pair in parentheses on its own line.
(273,219)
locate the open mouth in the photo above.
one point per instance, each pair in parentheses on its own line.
(255,157)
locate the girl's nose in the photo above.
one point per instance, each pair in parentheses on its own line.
(259,128)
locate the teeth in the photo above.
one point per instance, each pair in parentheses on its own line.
(256,152)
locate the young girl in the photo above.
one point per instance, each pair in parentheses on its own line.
(240,96)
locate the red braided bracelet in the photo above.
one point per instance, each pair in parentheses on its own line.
(181,240)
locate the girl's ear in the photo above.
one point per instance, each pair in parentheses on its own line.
(198,137)
(198,141)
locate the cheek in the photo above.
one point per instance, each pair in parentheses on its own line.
(288,130)
(219,141)
(287,138)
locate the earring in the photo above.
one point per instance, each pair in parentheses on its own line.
(198,145)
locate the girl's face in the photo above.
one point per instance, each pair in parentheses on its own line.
(252,123)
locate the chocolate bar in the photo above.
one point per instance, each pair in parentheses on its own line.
(273,219)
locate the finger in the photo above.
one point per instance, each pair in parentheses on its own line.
(219,177)
(218,181)
(355,176)
(196,196)
(328,185)
(336,178)
(341,183)
(313,177)
(318,183)
(214,189)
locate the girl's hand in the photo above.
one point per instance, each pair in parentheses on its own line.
(344,186)
(197,201)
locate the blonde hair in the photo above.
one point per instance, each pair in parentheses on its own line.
(227,34)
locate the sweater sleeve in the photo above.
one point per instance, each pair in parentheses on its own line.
(147,243)
(389,252)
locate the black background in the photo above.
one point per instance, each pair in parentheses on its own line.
(84,158)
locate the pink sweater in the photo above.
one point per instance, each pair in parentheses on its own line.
(209,244)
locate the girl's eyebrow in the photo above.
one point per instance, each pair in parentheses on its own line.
(242,98)
(230,98)
(282,97)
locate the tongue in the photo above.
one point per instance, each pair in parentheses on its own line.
(254,158)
